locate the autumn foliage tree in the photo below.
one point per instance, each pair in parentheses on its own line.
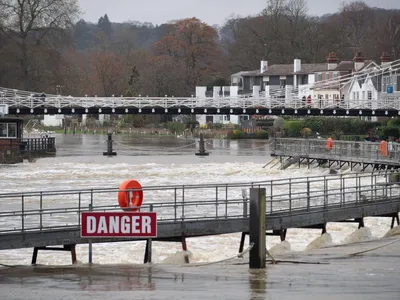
(193,45)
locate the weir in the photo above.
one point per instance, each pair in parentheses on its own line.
(42,220)
(341,153)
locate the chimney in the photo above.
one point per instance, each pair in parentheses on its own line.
(359,61)
(297,65)
(332,61)
(385,58)
(264,66)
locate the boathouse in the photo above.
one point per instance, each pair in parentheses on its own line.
(14,148)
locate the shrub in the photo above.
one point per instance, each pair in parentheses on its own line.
(262,134)
(235,134)
(293,128)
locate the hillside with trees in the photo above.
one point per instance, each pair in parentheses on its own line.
(45,46)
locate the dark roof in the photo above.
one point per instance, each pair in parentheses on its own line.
(11,119)
(311,68)
(345,66)
(348,65)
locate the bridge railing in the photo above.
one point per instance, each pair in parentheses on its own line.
(344,149)
(50,210)
(284,101)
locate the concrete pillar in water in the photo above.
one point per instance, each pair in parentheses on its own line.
(257,228)
(202,147)
(110,151)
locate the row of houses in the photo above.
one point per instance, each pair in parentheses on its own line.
(358,82)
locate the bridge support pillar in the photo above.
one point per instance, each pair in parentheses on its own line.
(393,219)
(283,234)
(242,239)
(148,251)
(110,151)
(257,228)
(70,248)
(360,222)
(184,248)
(202,147)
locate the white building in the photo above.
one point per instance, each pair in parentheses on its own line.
(53,120)
(219,92)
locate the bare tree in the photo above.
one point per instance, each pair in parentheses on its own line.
(29,22)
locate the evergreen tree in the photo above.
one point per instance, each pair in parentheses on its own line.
(105,25)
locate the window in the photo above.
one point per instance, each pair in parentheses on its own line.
(363,95)
(335,75)
(369,95)
(8,130)
(283,83)
(319,77)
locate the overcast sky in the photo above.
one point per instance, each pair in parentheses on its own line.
(210,11)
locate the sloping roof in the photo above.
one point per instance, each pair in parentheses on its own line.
(247,73)
(285,69)
(344,66)
(312,68)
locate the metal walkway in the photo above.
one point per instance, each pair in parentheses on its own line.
(364,154)
(40,219)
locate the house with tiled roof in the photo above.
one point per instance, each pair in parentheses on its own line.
(373,82)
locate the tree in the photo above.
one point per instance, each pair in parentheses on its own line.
(194,45)
(108,74)
(105,25)
(134,83)
(357,18)
(29,22)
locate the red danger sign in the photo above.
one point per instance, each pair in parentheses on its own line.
(118,224)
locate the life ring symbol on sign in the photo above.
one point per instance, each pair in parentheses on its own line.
(130,196)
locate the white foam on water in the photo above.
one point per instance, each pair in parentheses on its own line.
(360,235)
(283,247)
(324,240)
(178,258)
(395,231)
(95,171)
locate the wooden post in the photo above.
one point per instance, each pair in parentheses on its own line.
(257,228)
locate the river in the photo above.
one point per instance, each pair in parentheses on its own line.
(79,163)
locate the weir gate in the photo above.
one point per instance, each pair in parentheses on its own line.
(42,219)
(339,153)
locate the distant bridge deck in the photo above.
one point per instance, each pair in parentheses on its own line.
(40,219)
(238,105)
(343,152)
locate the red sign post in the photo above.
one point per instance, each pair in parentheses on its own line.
(119,224)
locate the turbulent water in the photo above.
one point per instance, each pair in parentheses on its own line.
(163,161)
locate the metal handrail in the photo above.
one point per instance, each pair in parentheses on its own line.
(45,210)
(343,149)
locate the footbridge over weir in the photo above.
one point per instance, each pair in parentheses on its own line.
(41,220)
(338,154)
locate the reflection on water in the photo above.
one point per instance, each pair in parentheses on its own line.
(258,284)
